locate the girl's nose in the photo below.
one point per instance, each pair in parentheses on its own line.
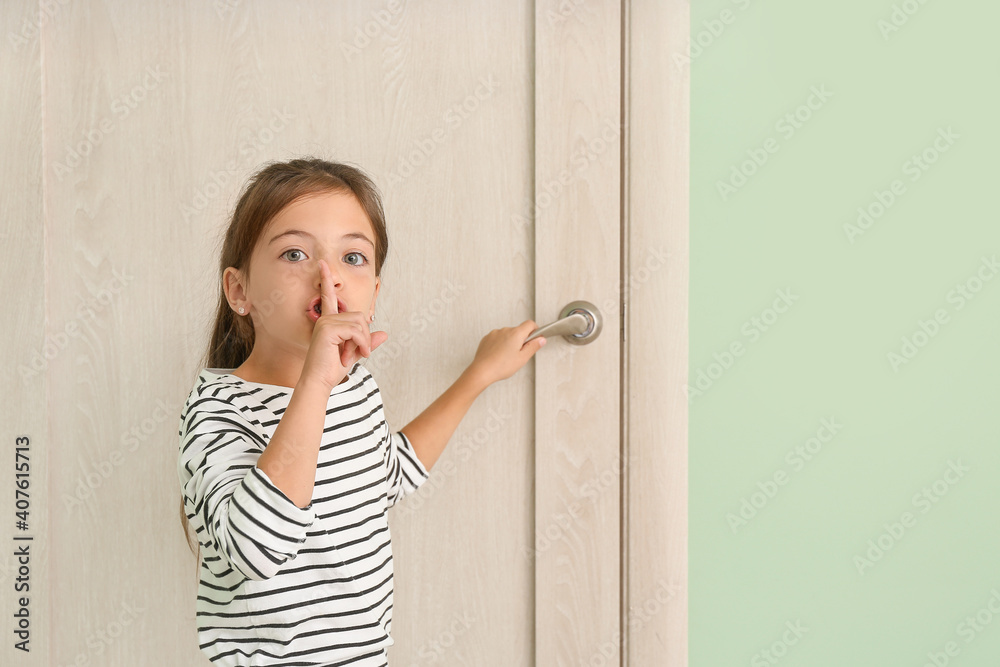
(334,272)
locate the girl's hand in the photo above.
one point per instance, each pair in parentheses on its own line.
(339,339)
(503,351)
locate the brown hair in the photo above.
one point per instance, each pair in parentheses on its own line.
(271,189)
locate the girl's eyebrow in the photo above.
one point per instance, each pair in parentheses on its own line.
(359,236)
(350,235)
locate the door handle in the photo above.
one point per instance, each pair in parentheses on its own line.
(579,323)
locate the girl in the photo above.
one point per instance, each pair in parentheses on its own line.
(287,467)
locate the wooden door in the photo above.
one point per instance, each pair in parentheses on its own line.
(495,132)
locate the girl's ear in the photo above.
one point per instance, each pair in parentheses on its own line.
(232,285)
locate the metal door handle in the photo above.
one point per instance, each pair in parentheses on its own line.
(579,323)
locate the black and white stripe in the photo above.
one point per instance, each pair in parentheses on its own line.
(281,584)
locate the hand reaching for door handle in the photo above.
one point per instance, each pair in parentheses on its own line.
(501,353)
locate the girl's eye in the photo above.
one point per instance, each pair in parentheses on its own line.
(364,260)
(293,250)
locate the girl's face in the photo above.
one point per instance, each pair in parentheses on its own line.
(285,276)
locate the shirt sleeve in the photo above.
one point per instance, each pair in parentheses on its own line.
(405,472)
(233,505)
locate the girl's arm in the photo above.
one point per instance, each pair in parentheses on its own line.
(290,458)
(433,428)
(501,353)
(234,506)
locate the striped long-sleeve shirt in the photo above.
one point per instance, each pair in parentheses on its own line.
(281,584)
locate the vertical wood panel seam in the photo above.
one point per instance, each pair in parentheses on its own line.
(46,385)
(532,58)
(623,358)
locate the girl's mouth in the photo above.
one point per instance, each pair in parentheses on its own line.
(317,308)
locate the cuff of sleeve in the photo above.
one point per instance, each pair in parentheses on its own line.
(268,516)
(414,460)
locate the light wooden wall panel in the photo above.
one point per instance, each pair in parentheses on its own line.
(657,98)
(26,349)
